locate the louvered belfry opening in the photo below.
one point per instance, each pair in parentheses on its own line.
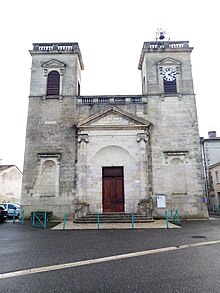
(53,83)
(78,92)
(170,87)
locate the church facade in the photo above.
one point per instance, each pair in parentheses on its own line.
(110,153)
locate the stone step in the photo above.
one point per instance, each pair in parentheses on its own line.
(115,215)
(88,221)
(113,218)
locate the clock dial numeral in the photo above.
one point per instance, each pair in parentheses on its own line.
(169,74)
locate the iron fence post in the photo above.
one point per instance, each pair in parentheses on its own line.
(132,220)
(98,221)
(64,221)
(22,217)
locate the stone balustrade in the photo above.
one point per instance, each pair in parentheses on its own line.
(55,46)
(166,44)
(111,99)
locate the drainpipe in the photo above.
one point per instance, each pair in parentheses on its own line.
(205,170)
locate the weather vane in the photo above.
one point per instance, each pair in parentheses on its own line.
(161,34)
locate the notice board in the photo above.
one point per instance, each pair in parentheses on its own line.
(161,201)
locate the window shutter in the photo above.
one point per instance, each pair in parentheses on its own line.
(170,87)
(53,83)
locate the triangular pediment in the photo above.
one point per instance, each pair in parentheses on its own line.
(113,117)
(53,64)
(168,61)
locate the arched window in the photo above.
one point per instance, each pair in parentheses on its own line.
(53,83)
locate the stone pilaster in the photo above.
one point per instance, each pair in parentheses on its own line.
(83,140)
(142,139)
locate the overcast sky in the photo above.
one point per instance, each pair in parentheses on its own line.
(110,34)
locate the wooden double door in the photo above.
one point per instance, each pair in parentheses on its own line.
(113,189)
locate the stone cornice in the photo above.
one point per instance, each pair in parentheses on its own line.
(57,48)
(163,46)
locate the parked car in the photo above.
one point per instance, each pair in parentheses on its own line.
(12,208)
(3,213)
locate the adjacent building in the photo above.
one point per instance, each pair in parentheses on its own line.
(215,191)
(113,152)
(10,183)
(211,159)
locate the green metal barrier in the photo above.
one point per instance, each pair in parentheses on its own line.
(98,221)
(64,221)
(175,219)
(39,219)
(132,220)
(14,216)
(167,219)
(22,217)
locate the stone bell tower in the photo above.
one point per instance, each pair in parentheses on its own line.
(50,153)
(176,158)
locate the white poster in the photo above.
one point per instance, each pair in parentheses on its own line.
(161,201)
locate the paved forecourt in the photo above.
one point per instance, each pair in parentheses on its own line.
(157,224)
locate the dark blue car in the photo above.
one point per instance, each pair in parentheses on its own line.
(3,214)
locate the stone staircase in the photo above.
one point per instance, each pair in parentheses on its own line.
(113,218)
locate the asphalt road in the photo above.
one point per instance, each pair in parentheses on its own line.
(182,269)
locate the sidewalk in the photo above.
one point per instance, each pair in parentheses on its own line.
(157,224)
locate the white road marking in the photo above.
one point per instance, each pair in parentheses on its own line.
(103,259)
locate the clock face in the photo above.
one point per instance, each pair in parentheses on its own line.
(169,74)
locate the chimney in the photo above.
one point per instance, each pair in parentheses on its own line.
(212,134)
